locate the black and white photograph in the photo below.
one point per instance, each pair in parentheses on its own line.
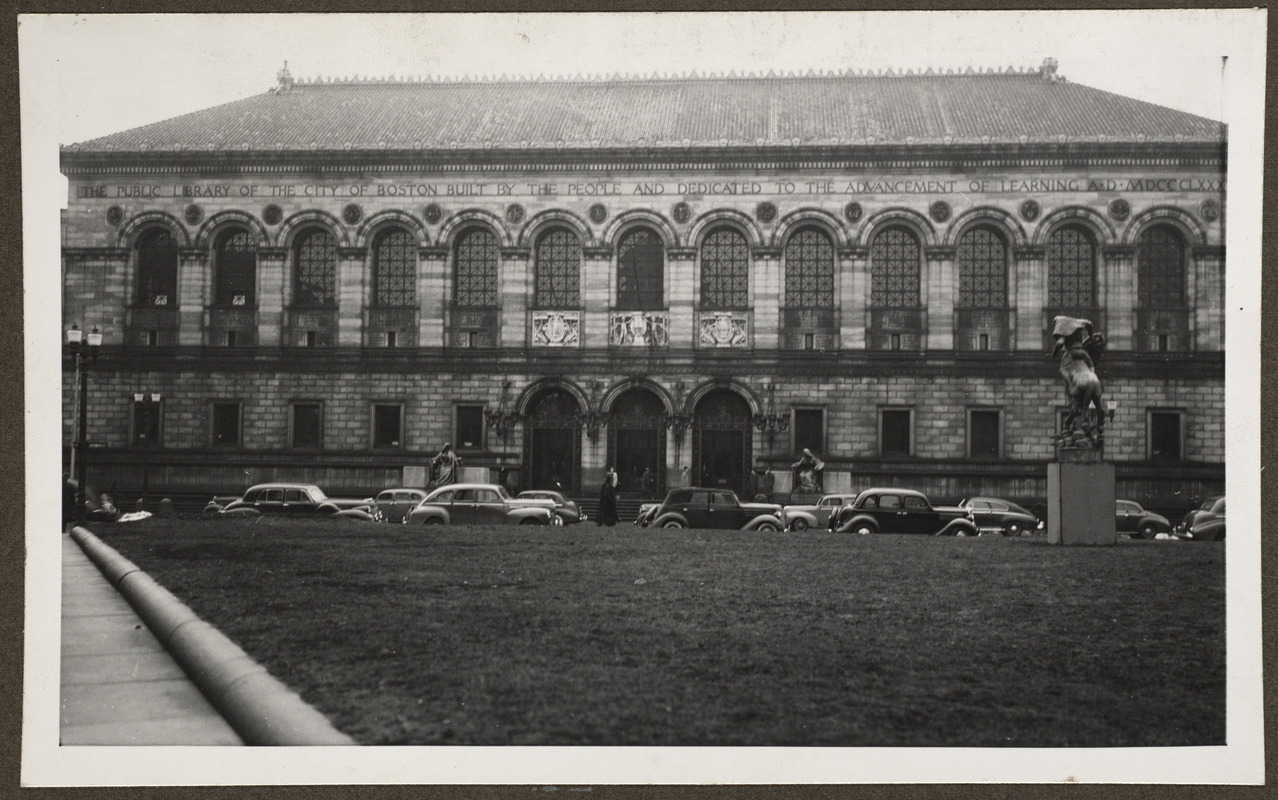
(639,398)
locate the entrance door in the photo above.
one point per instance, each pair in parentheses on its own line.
(637,442)
(722,442)
(553,456)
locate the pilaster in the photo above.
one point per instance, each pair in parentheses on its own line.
(514,289)
(1118,295)
(766,278)
(432,294)
(271,269)
(853,296)
(941,288)
(352,295)
(1208,296)
(192,264)
(1029,295)
(596,295)
(680,266)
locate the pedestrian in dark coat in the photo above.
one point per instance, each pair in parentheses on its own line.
(608,500)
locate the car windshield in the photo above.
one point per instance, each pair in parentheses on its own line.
(1017,509)
(1207,504)
(317,494)
(502,493)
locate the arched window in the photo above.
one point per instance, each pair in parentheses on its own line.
(894,269)
(1071,268)
(557,271)
(809,270)
(725,271)
(395,270)
(641,266)
(315,269)
(982,267)
(475,266)
(1160,269)
(157,268)
(235,269)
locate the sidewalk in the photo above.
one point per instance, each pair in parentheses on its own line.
(119,685)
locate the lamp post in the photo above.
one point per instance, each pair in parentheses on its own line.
(771,423)
(83,349)
(147,437)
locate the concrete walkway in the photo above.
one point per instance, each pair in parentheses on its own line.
(119,685)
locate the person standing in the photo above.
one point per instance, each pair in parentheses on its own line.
(444,466)
(608,500)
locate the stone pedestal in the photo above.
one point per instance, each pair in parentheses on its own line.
(1080,498)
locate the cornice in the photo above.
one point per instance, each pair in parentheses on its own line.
(994,155)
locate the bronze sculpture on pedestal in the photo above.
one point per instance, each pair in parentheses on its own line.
(1079,348)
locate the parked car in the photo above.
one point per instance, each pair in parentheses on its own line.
(995,515)
(1209,509)
(294,499)
(391,505)
(901,511)
(1205,523)
(715,508)
(647,512)
(480,504)
(565,508)
(801,516)
(1131,519)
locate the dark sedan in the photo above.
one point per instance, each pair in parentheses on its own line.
(901,511)
(995,515)
(1130,518)
(565,508)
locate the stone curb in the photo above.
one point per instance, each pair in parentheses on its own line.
(261,709)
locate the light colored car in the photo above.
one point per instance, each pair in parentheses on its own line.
(294,499)
(565,508)
(480,504)
(715,508)
(801,516)
(391,505)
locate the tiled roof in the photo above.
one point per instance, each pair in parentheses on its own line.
(840,109)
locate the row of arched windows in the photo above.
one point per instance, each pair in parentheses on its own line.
(896,264)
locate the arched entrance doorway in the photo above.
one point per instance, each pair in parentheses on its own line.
(721,441)
(637,442)
(552,457)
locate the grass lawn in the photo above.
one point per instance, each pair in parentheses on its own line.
(623,636)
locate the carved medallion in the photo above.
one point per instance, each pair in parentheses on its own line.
(765,212)
(272,214)
(193,214)
(1030,210)
(433,213)
(115,215)
(598,213)
(514,213)
(1120,209)
(852,212)
(1209,210)
(940,211)
(682,212)
(352,213)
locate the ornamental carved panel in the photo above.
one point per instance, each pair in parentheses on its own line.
(639,329)
(556,329)
(724,329)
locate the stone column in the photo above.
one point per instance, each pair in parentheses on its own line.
(272,268)
(1208,295)
(514,293)
(941,289)
(766,278)
(680,298)
(854,264)
(596,295)
(432,295)
(1029,298)
(191,300)
(1118,295)
(352,295)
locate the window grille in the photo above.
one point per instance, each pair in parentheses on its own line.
(395,270)
(157,268)
(809,270)
(475,269)
(982,262)
(557,278)
(894,269)
(725,271)
(235,263)
(315,269)
(1071,269)
(640,272)
(1160,269)
(308,425)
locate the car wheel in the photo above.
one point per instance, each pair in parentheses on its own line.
(1013,529)
(433,521)
(672,524)
(799,525)
(767,527)
(863,530)
(529,521)
(1148,531)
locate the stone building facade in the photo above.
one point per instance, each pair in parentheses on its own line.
(329,281)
